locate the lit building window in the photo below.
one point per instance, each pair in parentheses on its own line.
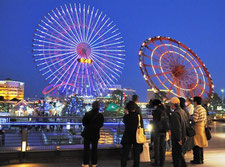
(12,89)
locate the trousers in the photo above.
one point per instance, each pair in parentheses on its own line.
(159,148)
(94,151)
(136,154)
(177,155)
(198,154)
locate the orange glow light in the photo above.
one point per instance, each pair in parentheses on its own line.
(82,60)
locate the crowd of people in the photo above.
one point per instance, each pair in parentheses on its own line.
(177,121)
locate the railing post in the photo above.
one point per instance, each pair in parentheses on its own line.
(118,132)
(23,144)
(24,140)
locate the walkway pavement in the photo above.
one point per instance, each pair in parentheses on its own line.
(214,155)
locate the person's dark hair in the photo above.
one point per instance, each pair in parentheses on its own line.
(156,102)
(131,106)
(95,105)
(135,98)
(149,105)
(177,105)
(198,100)
(182,102)
(190,100)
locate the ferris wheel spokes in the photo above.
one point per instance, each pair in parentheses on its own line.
(168,64)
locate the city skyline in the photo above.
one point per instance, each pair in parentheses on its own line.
(199,25)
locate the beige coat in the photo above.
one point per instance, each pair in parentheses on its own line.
(200,136)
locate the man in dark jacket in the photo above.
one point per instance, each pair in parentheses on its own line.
(178,131)
(159,132)
(92,123)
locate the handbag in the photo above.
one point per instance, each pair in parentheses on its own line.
(208,132)
(190,131)
(145,155)
(140,136)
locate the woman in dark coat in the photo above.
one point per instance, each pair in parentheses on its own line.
(129,137)
(159,141)
(190,140)
(92,122)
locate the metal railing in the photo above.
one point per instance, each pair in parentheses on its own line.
(31,133)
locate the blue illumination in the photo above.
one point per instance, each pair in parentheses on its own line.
(54,123)
(75,31)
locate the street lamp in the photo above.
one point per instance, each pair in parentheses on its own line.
(222,91)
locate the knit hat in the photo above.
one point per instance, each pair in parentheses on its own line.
(175,100)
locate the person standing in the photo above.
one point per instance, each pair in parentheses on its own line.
(178,132)
(200,140)
(184,107)
(189,106)
(92,122)
(168,134)
(134,101)
(190,140)
(159,132)
(128,141)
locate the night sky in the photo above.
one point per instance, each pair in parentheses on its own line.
(199,24)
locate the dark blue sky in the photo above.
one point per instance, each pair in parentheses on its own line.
(199,24)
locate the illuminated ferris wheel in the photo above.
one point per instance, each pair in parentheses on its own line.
(167,64)
(78,49)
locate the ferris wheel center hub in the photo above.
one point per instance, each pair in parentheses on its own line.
(83,50)
(178,71)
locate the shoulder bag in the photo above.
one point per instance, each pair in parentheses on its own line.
(140,136)
(208,131)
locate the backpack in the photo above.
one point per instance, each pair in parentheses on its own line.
(164,123)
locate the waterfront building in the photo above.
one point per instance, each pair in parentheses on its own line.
(127,92)
(11,89)
(152,93)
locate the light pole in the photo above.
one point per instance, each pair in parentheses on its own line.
(222,91)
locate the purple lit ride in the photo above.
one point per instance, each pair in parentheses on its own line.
(167,64)
(78,49)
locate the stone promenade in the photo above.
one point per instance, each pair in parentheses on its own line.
(214,155)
